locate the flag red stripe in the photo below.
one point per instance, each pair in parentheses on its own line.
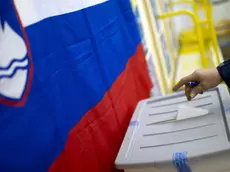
(94,142)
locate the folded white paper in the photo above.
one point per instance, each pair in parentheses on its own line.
(185,112)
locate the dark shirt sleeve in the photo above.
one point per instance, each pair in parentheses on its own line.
(224,71)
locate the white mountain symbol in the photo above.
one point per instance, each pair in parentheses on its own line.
(13,63)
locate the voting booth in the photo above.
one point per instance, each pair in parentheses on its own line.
(158,141)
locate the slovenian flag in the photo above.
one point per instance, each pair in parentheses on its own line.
(71,74)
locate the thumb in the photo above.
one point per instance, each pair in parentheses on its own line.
(196,90)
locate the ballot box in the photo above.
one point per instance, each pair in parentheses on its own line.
(156,141)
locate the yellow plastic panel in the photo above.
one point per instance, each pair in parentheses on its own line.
(189,62)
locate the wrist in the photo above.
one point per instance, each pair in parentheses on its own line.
(224,72)
(218,75)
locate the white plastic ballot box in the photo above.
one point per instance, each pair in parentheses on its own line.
(157,142)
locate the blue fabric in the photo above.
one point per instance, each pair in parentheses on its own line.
(76,58)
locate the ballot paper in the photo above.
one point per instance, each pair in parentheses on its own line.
(186,112)
(183,112)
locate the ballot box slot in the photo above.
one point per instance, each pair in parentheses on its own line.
(174,111)
(163,113)
(171,119)
(204,105)
(179,102)
(179,130)
(179,142)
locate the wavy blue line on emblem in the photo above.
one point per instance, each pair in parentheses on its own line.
(12,62)
(14,71)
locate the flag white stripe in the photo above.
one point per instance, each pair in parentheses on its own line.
(33,11)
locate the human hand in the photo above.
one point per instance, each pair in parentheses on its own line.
(207,78)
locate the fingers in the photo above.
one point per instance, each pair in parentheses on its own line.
(188,90)
(184,81)
(195,91)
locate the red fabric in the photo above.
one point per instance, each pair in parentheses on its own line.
(94,142)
